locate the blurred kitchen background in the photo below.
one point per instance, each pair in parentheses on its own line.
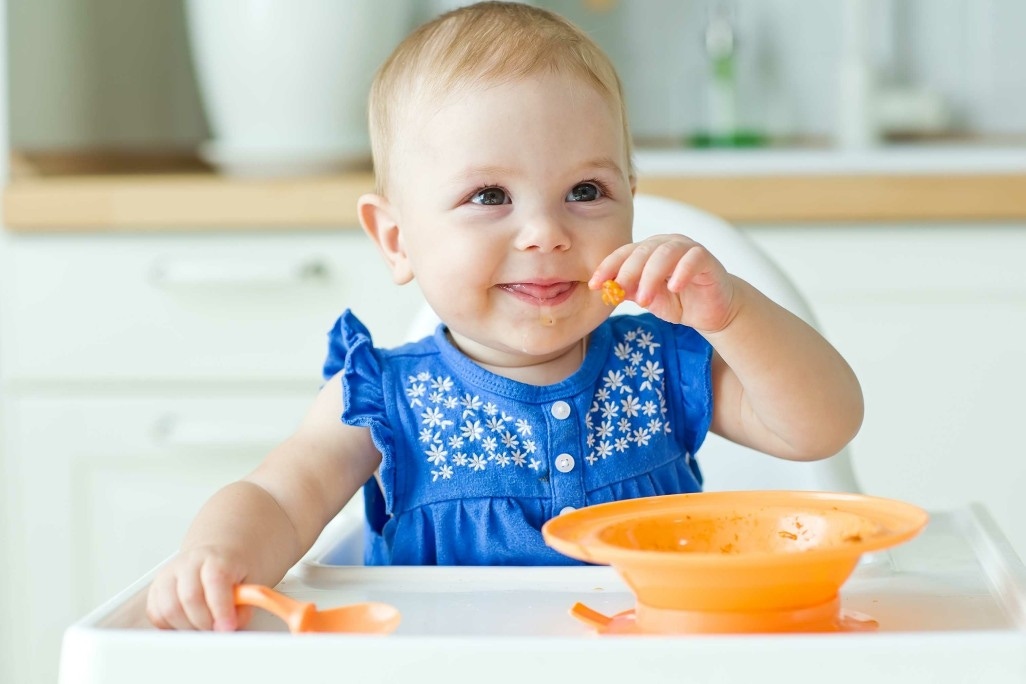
(179,232)
(102,73)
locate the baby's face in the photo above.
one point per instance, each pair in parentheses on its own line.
(507,198)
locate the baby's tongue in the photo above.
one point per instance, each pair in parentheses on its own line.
(541,291)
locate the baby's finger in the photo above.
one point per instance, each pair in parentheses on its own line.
(689,265)
(218,587)
(609,268)
(162,606)
(193,600)
(658,269)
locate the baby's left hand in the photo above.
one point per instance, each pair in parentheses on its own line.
(675,278)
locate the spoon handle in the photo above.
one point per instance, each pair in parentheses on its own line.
(289,610)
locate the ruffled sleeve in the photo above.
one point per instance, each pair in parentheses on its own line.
(351,351)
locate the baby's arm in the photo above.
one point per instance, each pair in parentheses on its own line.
(255,529)
(778,386)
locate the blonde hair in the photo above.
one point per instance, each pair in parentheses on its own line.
(490,42)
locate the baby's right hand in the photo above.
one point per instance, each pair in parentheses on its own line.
(195,590)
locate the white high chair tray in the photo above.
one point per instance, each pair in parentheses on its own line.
(951,605)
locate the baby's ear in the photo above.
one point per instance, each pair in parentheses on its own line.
(380,220)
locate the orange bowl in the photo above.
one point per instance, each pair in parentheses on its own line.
(734,551)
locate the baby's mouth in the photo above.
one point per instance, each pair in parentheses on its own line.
(548,294)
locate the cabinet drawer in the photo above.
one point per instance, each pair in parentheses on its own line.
(104,487)
(188,307)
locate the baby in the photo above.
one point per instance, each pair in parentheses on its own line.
(505,187)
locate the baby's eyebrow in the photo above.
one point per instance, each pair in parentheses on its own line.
(603,163)
(497,171)
(483,171)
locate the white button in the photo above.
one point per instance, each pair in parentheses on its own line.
(564,463)
(561,410)
(566,509)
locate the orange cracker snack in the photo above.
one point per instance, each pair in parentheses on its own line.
(612,293)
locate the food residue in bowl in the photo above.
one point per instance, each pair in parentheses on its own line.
(769,530)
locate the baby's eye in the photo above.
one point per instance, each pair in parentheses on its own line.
(490,196)
(584,192)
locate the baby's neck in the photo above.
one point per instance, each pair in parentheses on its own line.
(545,372)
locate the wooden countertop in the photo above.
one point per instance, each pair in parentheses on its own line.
(82,194)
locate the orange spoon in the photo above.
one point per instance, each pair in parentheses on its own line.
(357,618)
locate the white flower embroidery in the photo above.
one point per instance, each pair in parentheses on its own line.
(436,454)
(652,372)
(640,437)
(432,416)
(645,341)
(630,405)
(472,430)
(610,409)
(415,392)
(640,412)
(509,440)
(470,405)
(627,411)
(614,380)
(445,472)
(442,384)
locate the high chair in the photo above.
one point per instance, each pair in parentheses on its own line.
(935,608)
(725,465)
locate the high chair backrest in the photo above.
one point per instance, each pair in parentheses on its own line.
(725,465)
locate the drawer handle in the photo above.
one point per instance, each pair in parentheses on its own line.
(173,273)
(172,431)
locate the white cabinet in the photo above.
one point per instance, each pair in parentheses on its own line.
(139,374)
(933,320)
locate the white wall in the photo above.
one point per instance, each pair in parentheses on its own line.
(108,72)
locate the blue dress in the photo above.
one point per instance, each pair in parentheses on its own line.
(473,464)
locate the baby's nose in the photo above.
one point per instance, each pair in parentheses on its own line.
(545,233)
